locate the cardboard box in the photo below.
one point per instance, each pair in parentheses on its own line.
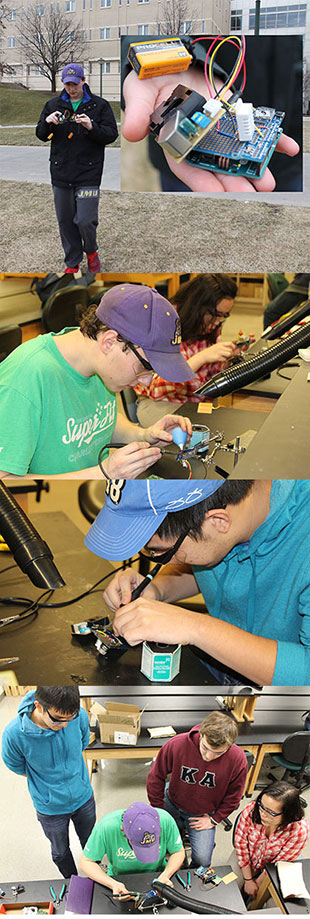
(118,722)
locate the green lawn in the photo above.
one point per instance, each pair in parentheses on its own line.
(23,106)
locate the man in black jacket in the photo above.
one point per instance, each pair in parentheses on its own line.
(79,125)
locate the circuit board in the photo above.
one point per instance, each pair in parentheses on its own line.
(222,151)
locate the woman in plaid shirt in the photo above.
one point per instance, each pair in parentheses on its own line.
(203,304)
(269,829)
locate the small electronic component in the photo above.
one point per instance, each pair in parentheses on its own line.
(107,641)
(182,121)
(208,875)
(208,133)
(159,56)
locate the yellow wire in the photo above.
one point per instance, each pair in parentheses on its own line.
(227,37)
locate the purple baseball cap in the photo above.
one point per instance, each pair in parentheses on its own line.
(141,315)
(141,825)
(72,73)
(133,511)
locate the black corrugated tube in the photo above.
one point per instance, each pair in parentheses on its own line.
(283,325)
(260,365)
(194,906)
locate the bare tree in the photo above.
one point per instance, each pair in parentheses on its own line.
(307,89)
(4,14)
(173,17)
(50,39)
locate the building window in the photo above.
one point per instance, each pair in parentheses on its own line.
(236,20)
(279,17)
(12,15)
(84,4)
(105,33)
(90,34)
(70,6)
(143,1)
(90,4)
(105,3)
(143,30)
(118,66)
(11,42)
(40,9)
(185,27)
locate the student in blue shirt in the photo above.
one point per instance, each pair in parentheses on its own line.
(244,544)
(45,743)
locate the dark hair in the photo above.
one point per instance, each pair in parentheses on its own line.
(65,699)
(198,296)
(289,795)
(191,519)
(90,325)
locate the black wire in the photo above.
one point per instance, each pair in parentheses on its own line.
(103,449)
(237,61)
(35,605)
(8,568)
(86,592)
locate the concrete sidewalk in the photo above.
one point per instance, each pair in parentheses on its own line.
(31,164)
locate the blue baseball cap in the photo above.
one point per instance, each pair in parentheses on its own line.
(133,511)
(72,73)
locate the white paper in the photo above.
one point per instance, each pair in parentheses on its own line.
(167,731)
(291,880)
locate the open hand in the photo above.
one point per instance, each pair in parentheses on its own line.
(143,96)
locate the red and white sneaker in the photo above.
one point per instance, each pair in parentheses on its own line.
(72,270)
(93,262)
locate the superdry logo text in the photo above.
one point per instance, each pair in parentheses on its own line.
(83,431)
(125,853)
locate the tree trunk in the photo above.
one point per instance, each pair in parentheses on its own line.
(53,82)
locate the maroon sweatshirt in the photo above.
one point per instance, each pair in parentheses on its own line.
(198,787)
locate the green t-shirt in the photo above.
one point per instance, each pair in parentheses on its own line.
(76,104)
(52,419)
(108,839)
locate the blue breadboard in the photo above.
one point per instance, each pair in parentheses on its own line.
(222,151)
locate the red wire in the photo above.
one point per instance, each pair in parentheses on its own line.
(231,42)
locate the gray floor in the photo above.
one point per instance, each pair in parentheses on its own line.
(31,164)
(25,854)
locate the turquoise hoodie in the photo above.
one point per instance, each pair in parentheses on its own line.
(263,586)
(57,776)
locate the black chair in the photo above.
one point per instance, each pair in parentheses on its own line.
(129,403)
(295,759)
(226,822)
(10,338)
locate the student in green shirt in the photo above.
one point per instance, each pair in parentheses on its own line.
(137,839)
(57,391)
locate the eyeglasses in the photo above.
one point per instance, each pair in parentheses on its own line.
(267,811)
(62,720)
(163,557)
(142,360)
(220,316)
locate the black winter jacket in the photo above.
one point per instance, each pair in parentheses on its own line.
(78,160)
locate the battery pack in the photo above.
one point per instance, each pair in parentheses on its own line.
(158,57)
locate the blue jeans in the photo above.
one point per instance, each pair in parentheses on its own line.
(202,841)
(56,828)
